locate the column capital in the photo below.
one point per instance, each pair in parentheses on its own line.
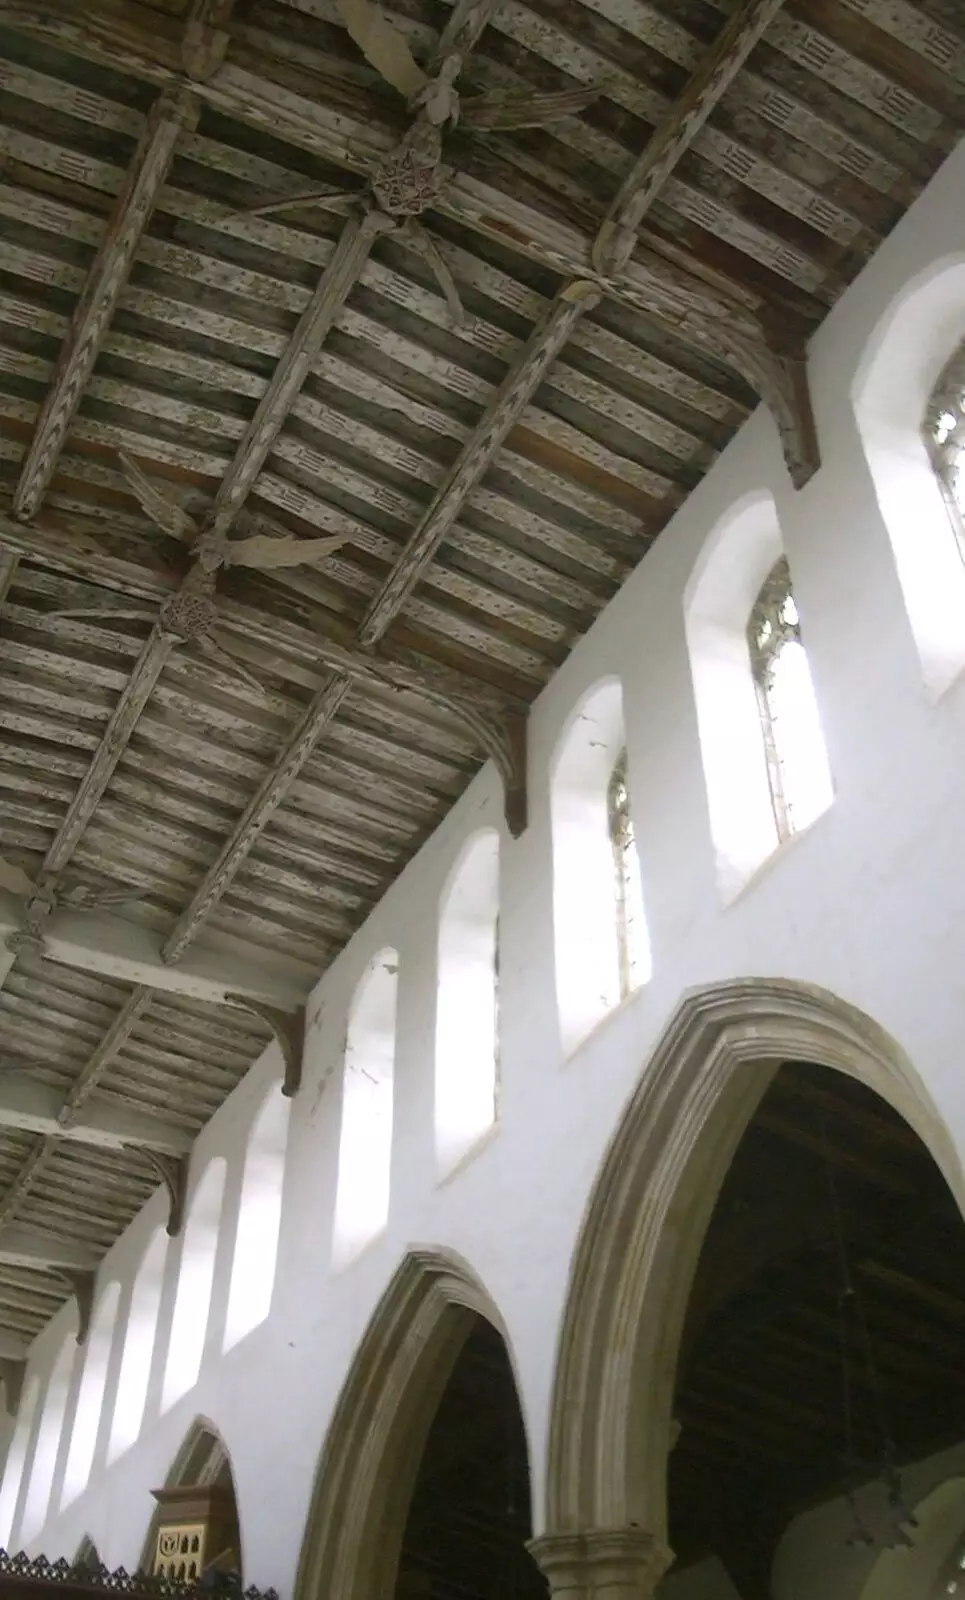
(602,1563)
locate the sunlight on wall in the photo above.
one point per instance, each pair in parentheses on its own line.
(90,1399)
(585,911)
(890,396)
(199,1248)
(467,1001)
(16,1461)
(365,1143)
(736,559)
(259,1220)
(48,1435)
(139,1343)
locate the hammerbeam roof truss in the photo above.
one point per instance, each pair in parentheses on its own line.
(494,392)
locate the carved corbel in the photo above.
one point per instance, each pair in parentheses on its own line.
(289,1030)
(82,1283)
(502,735)
(776,367)
(173,1173)
(12,1376)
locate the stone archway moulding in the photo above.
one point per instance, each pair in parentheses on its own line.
(375,1440)
(610,1428)
(201,1456)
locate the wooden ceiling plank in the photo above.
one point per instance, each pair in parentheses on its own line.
(357,237)
(34,1106)
(259,811)
(676,133)
(74,548)
(653,286)
(478,453)
(170,114)
(122,723)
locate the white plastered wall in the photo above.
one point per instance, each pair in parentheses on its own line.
(868,904)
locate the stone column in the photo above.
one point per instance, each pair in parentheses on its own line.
(602,1564)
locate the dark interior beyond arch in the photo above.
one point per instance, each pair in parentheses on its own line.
(469,1518)
(831,1285)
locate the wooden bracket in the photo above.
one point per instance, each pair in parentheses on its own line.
(289,1030)
(503,737)
(12,1376)
(775,365)
(82,1282)
(173,1173)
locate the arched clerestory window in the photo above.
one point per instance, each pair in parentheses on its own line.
(602,944)
(467,1002)
(944,430)
(907,397)
(797,763)
(365,1143)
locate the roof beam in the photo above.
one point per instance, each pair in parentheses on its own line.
(724,325)
(36,1108)
(673,138)
(333,288)
(28,1247)
(128,37)
(113,947)
(171,112)
(477,454)
(78,549)
(256,816)
(514,393)
(137,691)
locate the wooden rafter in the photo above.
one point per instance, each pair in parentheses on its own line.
(673,138)
(716,322)
(257,814)
(172,112)
(513,394)
(479,451)
(121,725)
(335,284)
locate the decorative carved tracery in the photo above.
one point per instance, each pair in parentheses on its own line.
(944,433)
(626,878)
(774,624)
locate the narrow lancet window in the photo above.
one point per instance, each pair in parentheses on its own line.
(797,762)
(632,944)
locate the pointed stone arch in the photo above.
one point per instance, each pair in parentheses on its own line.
(376,1438)
(202,1459)
(630,1282)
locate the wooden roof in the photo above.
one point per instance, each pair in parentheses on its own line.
(495,393)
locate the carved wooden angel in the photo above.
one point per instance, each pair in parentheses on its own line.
(411,178)
(191,615)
